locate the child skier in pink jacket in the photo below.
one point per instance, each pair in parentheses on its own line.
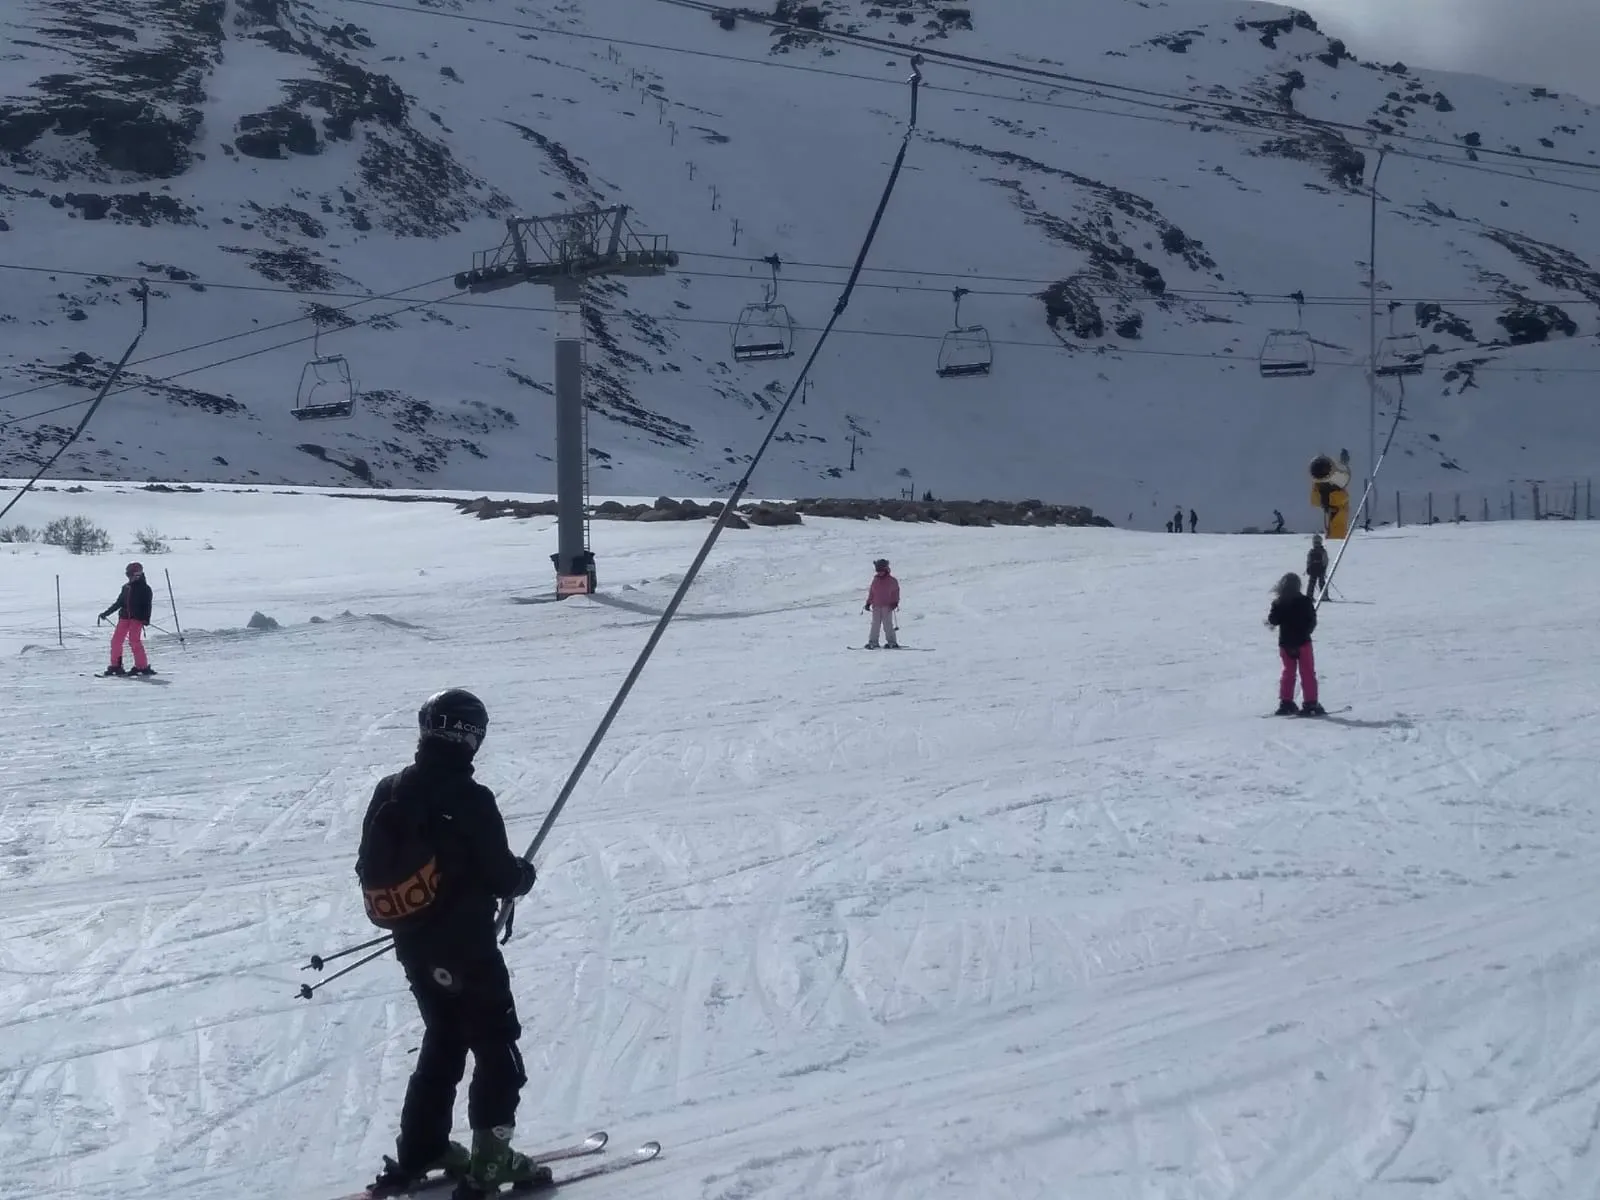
(883,597)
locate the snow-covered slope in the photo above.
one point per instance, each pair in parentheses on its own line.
(1044,907)
(1127,253)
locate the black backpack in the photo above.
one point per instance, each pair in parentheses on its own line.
(397,864)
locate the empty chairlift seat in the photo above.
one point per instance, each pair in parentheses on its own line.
(326,390)
(966,349)
(763,331)
(1401,355)
(1288,353)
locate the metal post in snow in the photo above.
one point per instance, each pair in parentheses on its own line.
(572,552)
(174,601)
(1399,518)
(1430,508)
(1372,335)
(61,638)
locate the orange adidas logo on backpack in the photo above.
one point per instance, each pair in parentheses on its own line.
(397,904)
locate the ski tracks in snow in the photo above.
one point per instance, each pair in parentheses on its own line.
(1195,1081)
(151,973)
(1069,920)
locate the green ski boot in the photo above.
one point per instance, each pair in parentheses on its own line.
(495,1165)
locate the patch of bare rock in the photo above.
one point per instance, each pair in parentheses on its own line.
(982,513)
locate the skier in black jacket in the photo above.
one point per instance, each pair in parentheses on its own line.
(1295,617)
(433,863)
(132,607)
(1316,567)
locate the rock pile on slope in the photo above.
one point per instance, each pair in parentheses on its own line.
(982,513)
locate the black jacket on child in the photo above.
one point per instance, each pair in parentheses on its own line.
(475,862)
(133,602)
(1296,619)
(1317,562)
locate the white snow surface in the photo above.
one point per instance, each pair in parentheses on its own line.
(1043,906)
(734,156)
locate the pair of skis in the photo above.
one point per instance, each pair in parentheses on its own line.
(131,675)
(592,1145)
(1332,712)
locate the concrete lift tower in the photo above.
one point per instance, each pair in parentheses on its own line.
(561,252)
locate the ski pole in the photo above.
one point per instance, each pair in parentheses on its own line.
(318,961)
(307,990)
(174,601)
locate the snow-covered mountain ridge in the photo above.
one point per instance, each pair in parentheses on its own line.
(263,161)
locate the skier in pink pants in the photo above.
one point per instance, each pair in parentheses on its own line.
(883,598)
(1295,617)
(132,607)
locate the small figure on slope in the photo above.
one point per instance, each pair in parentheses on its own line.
(1316,567)
(433,862)
(1295,618)
(883,598)
(132,607)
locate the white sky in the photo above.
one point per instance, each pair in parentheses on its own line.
(1555,43)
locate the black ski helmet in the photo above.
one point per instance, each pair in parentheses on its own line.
(454,715)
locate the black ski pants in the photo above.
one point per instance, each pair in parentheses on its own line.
(467,1008)
(1315,580)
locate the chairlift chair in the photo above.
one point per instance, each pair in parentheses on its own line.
(764,330)
(1288,353)
(1401,355)
(966,349)
(326,390)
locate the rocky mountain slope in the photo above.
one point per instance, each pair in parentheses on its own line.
(277,167)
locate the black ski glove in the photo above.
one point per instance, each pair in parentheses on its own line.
(526,881)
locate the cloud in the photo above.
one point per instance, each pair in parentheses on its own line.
(1552,43)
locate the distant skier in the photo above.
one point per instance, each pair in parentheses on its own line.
(1295,618)
(132,606)
(1277,518)
(883,599)
(1194,521)
(432,863)
(1177,521)
(1316,567)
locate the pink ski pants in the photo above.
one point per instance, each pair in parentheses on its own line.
(1303,660)
(129,631)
